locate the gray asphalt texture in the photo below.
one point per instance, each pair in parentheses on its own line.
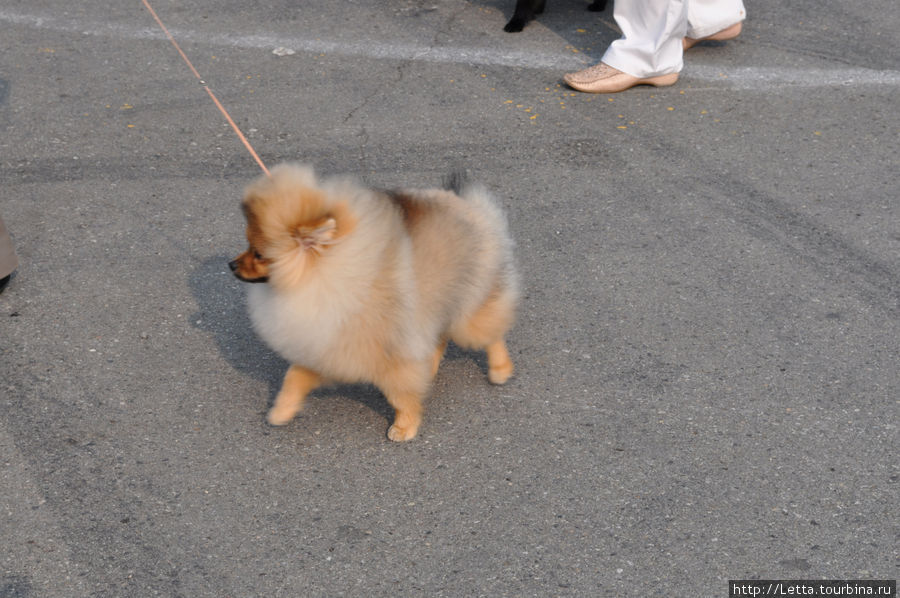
(707,352)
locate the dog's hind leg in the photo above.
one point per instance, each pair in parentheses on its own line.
(485,330)
(500,366)
(298,382)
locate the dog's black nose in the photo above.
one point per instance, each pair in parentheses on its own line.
(233,265)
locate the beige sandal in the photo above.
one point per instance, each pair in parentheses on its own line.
(603,78)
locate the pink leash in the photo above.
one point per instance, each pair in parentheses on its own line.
(208,90)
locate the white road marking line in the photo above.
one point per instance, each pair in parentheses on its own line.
(746,77)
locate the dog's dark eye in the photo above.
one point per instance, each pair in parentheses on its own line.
(257,256)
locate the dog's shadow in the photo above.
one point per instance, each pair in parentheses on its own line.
(222,312)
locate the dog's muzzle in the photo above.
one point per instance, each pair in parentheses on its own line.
(233,265)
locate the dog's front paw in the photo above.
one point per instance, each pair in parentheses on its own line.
(398,434)
(280,415)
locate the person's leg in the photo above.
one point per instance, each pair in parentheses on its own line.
(713,20)
(651,37)
(649,51)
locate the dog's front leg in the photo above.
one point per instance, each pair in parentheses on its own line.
(298,382)
(405,386)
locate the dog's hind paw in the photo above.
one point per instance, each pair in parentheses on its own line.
(398,434)
(500,374)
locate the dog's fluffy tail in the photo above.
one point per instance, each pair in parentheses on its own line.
(458,180)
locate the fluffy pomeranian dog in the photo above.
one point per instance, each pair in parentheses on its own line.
(362,285)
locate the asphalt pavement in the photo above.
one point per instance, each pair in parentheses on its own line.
(707,349)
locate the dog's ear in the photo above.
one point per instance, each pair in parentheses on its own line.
(316,236)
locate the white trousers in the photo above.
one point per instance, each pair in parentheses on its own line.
(652,31)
